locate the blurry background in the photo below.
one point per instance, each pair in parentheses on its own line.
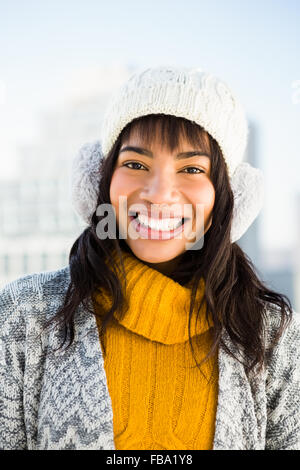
(61,61)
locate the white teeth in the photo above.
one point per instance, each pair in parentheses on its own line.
(159,224)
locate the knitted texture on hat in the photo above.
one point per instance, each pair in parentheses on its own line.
(246,183)
(183,92)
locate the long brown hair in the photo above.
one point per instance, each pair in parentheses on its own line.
(236,298)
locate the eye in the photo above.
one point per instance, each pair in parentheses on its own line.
(188,168)
(193,168)
(132,163)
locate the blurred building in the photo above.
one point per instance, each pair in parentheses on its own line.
(250,242)
(296,258)
(279,274)
(275,268)
(38,225)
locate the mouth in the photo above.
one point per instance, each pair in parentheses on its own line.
(164,229)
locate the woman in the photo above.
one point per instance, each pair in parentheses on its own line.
(171,340)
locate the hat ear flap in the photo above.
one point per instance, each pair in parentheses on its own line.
(85,180)
(247,184)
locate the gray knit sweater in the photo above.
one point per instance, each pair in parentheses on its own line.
(61,401)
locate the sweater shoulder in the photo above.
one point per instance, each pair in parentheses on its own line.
(287,347)
(273,321)
(32,288)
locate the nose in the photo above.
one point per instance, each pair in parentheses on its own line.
(160,189)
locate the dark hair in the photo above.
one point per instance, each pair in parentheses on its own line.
(235,296)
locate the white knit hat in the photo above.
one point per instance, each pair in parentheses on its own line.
(183,92)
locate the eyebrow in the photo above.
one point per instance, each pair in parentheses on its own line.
(148,153)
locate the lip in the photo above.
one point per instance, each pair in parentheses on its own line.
(153,234)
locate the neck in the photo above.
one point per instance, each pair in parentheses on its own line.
(165,267)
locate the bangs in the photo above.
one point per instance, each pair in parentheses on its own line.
(168,131)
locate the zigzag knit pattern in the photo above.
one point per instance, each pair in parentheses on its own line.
(49,400)
(61,400)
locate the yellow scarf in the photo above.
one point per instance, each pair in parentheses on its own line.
(158,307)
(160,400)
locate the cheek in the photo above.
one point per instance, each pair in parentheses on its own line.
(120,185)
(204,194)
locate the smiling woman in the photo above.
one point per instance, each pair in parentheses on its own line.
(173,340)
(158,177)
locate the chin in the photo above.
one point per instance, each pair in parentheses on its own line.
(159,255)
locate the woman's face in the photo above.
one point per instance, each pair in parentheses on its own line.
(172,186)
